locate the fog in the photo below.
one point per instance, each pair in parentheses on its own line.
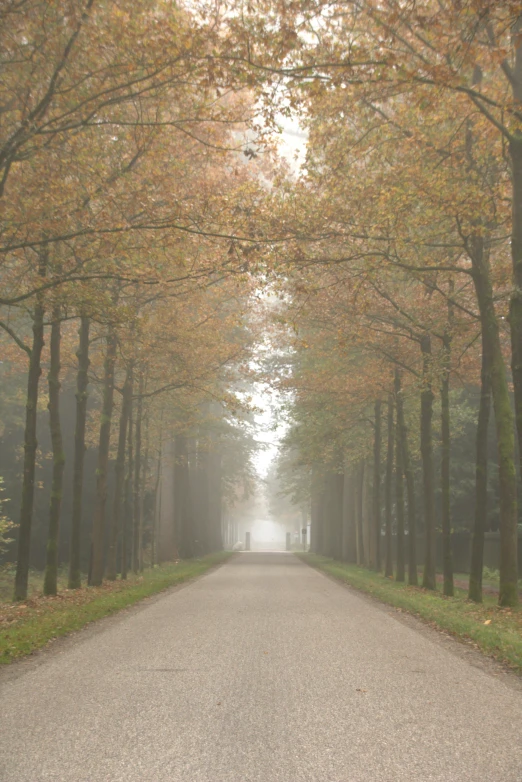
(267,535)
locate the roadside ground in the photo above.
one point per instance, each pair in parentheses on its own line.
(494,630)
(32,624)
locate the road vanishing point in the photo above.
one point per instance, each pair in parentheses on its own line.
(263,670)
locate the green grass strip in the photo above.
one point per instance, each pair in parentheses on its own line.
(28,626)
(495,631)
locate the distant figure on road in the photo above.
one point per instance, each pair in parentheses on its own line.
(239,546)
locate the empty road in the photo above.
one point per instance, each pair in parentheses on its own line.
(262,670)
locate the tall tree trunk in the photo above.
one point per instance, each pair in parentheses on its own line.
(353,505)
(136,545)
(388,569)
(413,579)
(337,486)
(200,509)
(215,498)
(119,476)
(399,478)
(327,517)
(82,382)
(144,470)
(347,554)
(377,437)
(481,480)
(157,500)
(158,550)
(98,524)
(515,304)
(508,592)
(314,511)
(366,514)
(183,504)
(50,586)
(356,494)
(333,514)
(447,559)
(321,537)
(429,580)
(359,529)
(30,444)
(128,523)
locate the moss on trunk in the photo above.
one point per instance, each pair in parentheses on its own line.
(30,443)
(508,594)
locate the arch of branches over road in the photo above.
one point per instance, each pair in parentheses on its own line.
(130,163)
(144,207)
(404,312)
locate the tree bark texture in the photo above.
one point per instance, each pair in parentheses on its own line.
(215,498)
(508,591)
(184,515)
(377,438)
(30,445)
(346,554)
(366,514)
(481,480)
(359,528)
(128,525)
(157,500)
(413,579)
(447,558)
(515,304)
(82,383)
(143,486)
(388,568)
(98,524)
(119,476)
(335,483)
(314,511)
(136,521)
(320,536)
(50,585)
(429,580)
(399,479)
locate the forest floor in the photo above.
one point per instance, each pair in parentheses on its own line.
(461,582)
(32,624)
(494,630)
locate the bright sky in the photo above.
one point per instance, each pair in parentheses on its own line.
(292,145)
(292,141)
(264,434)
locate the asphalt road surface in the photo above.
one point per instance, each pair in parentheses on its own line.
(262,670)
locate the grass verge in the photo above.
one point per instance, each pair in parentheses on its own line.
(495,631)
(25,627)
